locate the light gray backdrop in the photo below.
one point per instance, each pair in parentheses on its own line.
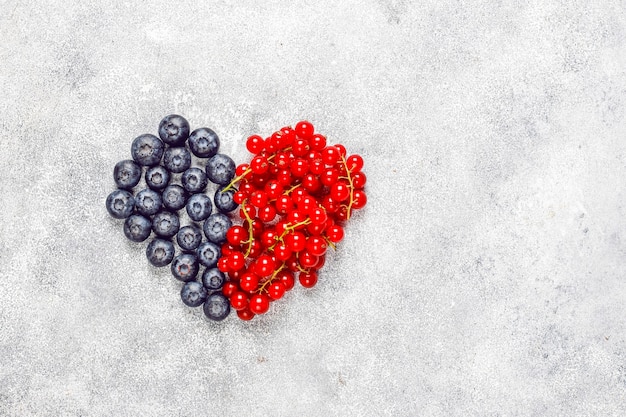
(486,277)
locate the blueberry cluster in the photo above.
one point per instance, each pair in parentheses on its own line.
(171,185)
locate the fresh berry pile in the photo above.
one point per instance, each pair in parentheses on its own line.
(295,195)
(294,198)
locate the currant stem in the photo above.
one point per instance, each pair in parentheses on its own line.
(271,278)
(236,180)
(250,229)
(331,244)
(349,178)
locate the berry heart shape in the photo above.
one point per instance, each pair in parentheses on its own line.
(295,196)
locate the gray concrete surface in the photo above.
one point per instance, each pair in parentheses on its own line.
(485,278)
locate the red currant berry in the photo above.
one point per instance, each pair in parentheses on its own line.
(292,263)
(239,300)
(341,149)
(308,280)
(282,160)
(296,241)
(239,197)
(340,191)
(276,290)
(321,260)
(296,216)
(257,228)
(268,238)
(259,165)
(246,187)
(223,265)
(241,169)
(236,234)
(282,252)
(318,215)
(259,303)
(298,194)
(329,177)
(284,204)
(234,275)
(307,203)
(354,163)
(267,213)
(264,265)
(255,144)
(317,167)
(359,199)
(249,282)
(229,288)
(236,261)
(359,179)
(334,233)
(255,249)
(316,245)
(342,214)
(299,167)
(247,210)
(330,205)
(273,189)
(304,129)
(245,314)
(311,183)
(317,142)
(316,229)
(286,278)
(307,259)
(258,199)
(227,248)
(330,155)
(300,147)
(284,177)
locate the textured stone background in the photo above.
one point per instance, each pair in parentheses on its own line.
(485,278)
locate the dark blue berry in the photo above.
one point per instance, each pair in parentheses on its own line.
(174,197)
(220,169)
(189,237)
(157,177)
(194,180)
(208,254)
(199,207)
(213,279)
(204,142)
(174,130)
(160,252)
(177,160)
(224,200)
(137,228)
(126,174)
(185,267)
(165,224)
(216,307)
(147,150)
(148,202)
(193,294)
(216,226)
(120,204)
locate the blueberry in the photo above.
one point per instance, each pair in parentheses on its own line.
(157,178)
(208,254)
(194,180)
(216,307)
(174,197)
(213,279)
(126,174)
(165,224)
(137,228)
(147,150)
(216,226)
(224,200)
(193,294)
(199,207)
(203,142)
(160,252)
(174,130)
(177,160)
(220,169)
(189,237)
(148,202)
(120,204)
(185,267)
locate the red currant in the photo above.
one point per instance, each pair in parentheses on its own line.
(334,233)
(229,288)
(308,279)
(299,167)
(236,234)
(316,245)
(359,179)
(264,265)
(286,278)
(236,261)
(245,314)
(359,199)
(354,163)
(340,191)
(249,282)
(317,141)
(276,290)
(284,204)
(304,129)
(296,241)
(300,147)
(307,259)
(239,300)
(255,144)
(259,303)
(330,155)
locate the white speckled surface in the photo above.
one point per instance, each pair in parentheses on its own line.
(486,277)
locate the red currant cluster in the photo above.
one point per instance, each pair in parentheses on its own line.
(295,196)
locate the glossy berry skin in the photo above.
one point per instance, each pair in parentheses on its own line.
(185,267)
(264,266)
(220,169)
(194,180)
(255,144)
(193,294)
(203,142)
(165,224)
(147,150)
(157,178)
(259,304)
(304,129)
(308,280)
(216,307)
(137,228)
(189,237)
(239,300)
(213,279)
(216,227)
(276,290)
(120,204)
(148,202)
(174,130)
(208,254)
(199,207)
(126,174)
(160,252)
(245,314)
(177,160)
(174,197)
(224,201)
